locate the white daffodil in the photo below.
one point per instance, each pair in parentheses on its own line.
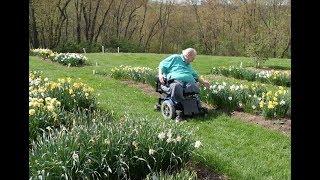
(161,135)
(75,157)
(151,151)
(197,144)
(282,102)
(179,138)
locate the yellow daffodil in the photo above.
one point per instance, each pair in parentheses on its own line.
(261,103)
(50,108)
(32,112)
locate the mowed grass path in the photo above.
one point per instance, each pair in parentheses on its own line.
(231,147)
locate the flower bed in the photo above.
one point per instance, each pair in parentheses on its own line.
(270,76)
(254,98)
(42,53)
(48,101)
(114,150)
(70,59)
(139,74)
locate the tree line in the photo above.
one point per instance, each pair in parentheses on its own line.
(213,27)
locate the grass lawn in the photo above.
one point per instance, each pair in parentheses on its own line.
(231,147)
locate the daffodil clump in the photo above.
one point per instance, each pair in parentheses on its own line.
(43,53)
(43,113)
(271,77)
(125,149)
(139,74)
(236,72)
(230,96)
(72,95)
(249,98)
(274,77)
(275,103)
(70,59)
(48,101)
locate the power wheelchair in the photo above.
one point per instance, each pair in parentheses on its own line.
(190,106)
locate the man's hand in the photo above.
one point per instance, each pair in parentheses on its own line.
(161,78)
(206,84)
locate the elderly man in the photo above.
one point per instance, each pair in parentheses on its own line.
(177,67)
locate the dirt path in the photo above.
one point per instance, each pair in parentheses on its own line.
(205,173)
(282,125)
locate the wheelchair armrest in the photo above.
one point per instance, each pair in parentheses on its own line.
(167,84)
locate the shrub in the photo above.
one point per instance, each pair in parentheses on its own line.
(74,47)
(124,46)
(111,150)
(71,59)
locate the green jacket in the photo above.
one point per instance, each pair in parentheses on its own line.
(176,67)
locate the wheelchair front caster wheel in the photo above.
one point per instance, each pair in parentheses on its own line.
(168,110)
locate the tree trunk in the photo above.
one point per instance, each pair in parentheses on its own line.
(35,38)
(286,49)
(143,20)
(103,21)
(93,24)
(130,18)
(78,7)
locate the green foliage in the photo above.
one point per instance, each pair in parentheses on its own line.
(121,149)
(124,46)
(189,43)
(74,47)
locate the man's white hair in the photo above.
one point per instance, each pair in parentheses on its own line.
(189,50)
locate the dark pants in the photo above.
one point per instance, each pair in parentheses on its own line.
(177,88)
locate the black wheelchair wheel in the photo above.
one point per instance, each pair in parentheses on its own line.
(168,110)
